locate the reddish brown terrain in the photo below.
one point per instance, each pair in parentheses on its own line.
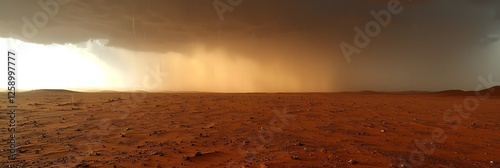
(71,129)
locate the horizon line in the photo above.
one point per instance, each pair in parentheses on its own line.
(166,91)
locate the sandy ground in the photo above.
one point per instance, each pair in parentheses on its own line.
(70,129)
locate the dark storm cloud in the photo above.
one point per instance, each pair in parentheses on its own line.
(169,24)
(428,42)
(172,23)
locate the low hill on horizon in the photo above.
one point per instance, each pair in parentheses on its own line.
(495,90)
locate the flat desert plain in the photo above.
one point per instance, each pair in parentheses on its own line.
(58,128)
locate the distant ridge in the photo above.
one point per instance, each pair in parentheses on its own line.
(368,92)
(495,90)
(451,92)
(81,91)
(53,90)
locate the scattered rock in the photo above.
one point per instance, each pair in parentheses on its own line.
(362,133)
(158,153)
(197,153)
(353,162)
(382,131)
(82,165)
(295,157)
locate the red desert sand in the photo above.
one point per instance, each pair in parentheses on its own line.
(111,129)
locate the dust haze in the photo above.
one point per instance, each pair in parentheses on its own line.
(221,70)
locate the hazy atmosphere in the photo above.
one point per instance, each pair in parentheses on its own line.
(253,45)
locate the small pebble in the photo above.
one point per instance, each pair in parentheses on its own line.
(352,161)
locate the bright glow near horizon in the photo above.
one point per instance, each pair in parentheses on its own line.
(57,66)
(93,65)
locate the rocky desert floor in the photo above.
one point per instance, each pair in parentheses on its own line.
(114,129)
